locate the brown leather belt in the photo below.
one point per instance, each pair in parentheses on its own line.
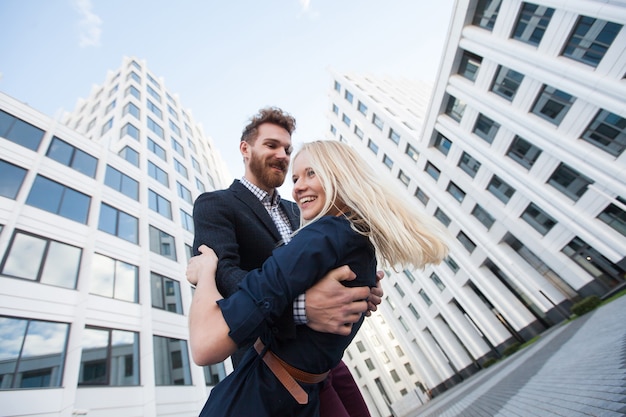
(288,375)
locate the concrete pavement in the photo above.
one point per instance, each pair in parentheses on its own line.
(575,369)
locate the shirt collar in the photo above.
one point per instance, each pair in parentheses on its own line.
(262,195)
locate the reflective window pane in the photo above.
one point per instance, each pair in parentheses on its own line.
(61,266)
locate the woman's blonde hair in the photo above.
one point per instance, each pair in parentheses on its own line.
(401,235)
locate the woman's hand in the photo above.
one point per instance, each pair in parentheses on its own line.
(202,266)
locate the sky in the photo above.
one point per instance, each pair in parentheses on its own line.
(224,59)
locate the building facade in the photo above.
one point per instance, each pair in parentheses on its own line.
(521,156)
(95,233)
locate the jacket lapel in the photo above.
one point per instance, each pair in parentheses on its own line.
(256,207)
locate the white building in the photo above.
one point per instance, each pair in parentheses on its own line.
(95,233)
(521,156)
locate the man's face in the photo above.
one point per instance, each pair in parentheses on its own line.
(267,158)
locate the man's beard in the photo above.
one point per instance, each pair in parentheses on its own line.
(264,173)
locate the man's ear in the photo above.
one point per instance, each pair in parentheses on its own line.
(244,148)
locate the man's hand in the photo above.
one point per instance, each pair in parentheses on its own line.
(376,295)
(333,308)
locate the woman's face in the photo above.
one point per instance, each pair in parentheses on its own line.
(307,188)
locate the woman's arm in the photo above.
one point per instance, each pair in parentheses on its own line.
(208,331)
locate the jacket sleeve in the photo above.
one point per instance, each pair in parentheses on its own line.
(214,226)
(265,293)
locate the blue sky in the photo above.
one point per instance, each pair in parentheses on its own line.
(225,59)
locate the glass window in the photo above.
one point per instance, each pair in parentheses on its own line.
(153,93)
(107,126)
(200,186)
(466,242)
(455,108)
(11,179)
(455,191)
(172,112)
(158,174)
(130,108)
(486,128)
(506,82)
(333,129)
(176,145)
(412,152)
(180,168)
(156,149)
(425,297)
(442,217)
(166,293)
(399,289)
(171,361)
(362,108)
(130,155)
(394,136)
(183,192)
(432,170)
(337,86)
(500,189)
(607,131)
(404,178)
(335,109)
(593,262)
(118,223)
(174,128)
(44,260)
(569,181)
(358,132)
(552,104)
(470,63)
(387,161)
(72,157)
(421,196)
(162,243)
(437,281)
(590,39)
(133,75)
(523,152)
(132,90)
(348,95)
(196,165)
(414,311)
(154,127)
(468,164)
(122,183)
(58,199)
(114,279)
(378,122)
(186,220)
(345,119)
(409,275)
(532,23)
(153,81)
(452,264)
(483,216)
(443,143)
(130,130)
(20,132)
(33,353)
(538,219)
(372,146)
(159,204)
(109,357)
(486,13)
(615,216)
(110,107)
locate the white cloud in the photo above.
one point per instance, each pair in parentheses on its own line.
(89,26)
(305,9)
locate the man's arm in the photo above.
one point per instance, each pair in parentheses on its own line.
(332,307)
(214,226)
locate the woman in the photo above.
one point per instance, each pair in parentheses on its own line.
(348,217)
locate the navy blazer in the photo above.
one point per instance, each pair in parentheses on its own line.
(236,225)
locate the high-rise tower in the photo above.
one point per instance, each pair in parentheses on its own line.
(95,233)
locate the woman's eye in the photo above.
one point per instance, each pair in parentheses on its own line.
(310,173)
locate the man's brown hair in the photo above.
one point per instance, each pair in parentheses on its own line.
(272,115)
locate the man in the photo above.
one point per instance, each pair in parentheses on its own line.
(245,222)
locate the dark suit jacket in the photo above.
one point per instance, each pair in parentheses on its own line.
(234,223)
